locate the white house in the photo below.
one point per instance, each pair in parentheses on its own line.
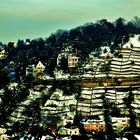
(3,54)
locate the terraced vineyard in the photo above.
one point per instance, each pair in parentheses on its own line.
(111,85)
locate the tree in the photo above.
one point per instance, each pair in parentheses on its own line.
(40,43)
(107,117)
(131,112)
(105,50)
(120,26)
(20,44)
(64,64)
(136,22)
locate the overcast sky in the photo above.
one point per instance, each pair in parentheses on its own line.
(21,19)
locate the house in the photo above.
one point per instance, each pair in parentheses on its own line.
(59,57)
(120,123)
(29,70)
(47,137)
(120,120)
(72,60)
(69,54)
(51,127)
(5,137)
(27,43)
(39,69)
(69,131)
(92,54)
(93,125)
(2,131)
(15,45)
(13,86)
(64,54)
(68,120)
(3,54)
(104,52)
(51,121)
(11,71)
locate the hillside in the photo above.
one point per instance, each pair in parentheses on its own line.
(90,72)
(84,39)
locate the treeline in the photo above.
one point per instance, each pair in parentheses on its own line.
(90,36)
(84,38)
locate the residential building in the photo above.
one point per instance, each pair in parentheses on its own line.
(3,54)
(27,43)
(120,120)
(104,52)
(120,123)
(68,120)
(11,71)
(69,131)
(5,137)
(39,69)
(59,59)
(69,54)
(2,131)
(93,125)
(29,70)
(15,45)
(64,54)
(72,60)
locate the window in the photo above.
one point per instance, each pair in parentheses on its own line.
(87,126)
(97,130)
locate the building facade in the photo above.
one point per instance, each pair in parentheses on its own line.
(93,125)
(72,60)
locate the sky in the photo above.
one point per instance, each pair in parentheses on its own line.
(22,19)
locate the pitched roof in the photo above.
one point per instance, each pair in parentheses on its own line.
(40,65)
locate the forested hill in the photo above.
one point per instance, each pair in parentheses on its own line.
(84,38)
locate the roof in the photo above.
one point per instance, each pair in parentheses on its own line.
(92,122)
(40,65)
(3,51)
(72,55)
(27,43)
